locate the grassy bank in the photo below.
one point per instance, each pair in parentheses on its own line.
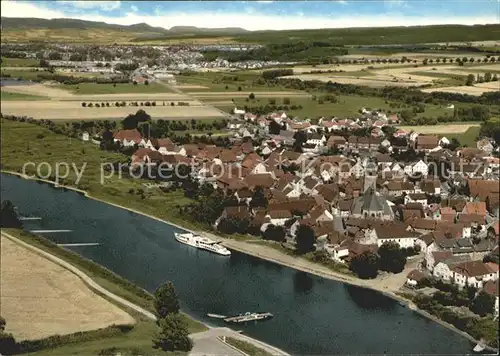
(128,341)
(246,347)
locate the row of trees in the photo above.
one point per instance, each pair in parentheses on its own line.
(459,60)
(104,104)
(488,77)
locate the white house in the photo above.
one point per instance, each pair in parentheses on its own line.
(316,139)
(85,136)
(419,166)
(473,273)
(443,141)
(279,217)
(416,198)
(414,277)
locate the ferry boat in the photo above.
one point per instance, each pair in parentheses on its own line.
(203,243)
(243,318)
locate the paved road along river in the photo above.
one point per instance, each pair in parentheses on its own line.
(312,315)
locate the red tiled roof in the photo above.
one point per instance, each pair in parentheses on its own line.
(472,269)
(129,135)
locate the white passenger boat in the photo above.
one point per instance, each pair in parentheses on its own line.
(203,243)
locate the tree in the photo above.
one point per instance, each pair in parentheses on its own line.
(274,128)
(305,239)
(470,80)
(487,77)
(300,138)
(43,63)
(166,300)
(8,344)
(146,82)
(483,304)
(258,198)
(274,233)
(286,101)
(251,96)
(8,215)
(173,334)
(406,115)
(239,88)
(365,265)
(392,258)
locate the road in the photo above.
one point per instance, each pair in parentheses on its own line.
(205,343)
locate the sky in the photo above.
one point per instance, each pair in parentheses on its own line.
(265,15)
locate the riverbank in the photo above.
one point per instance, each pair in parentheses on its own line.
(275,256)
(199,332)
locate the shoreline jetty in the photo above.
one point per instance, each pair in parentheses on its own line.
(275,256)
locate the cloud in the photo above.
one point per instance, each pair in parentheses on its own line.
(97,5)
(253,21)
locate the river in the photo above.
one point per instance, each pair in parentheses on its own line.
(312,315)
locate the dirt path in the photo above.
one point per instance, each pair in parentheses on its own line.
(41,297)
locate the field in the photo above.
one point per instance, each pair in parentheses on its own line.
(466,134)
(441,77)
(346,106)
(20,96)
(92,88)
(73,110)
(65,105)
(19,62)
(21,72)
(440,129)
(216,81)
(39,298)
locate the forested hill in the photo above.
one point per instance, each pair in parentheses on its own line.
(9,23)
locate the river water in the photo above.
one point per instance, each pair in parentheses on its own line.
(312,315)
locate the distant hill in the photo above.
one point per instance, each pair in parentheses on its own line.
(197,30)
(14,23)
